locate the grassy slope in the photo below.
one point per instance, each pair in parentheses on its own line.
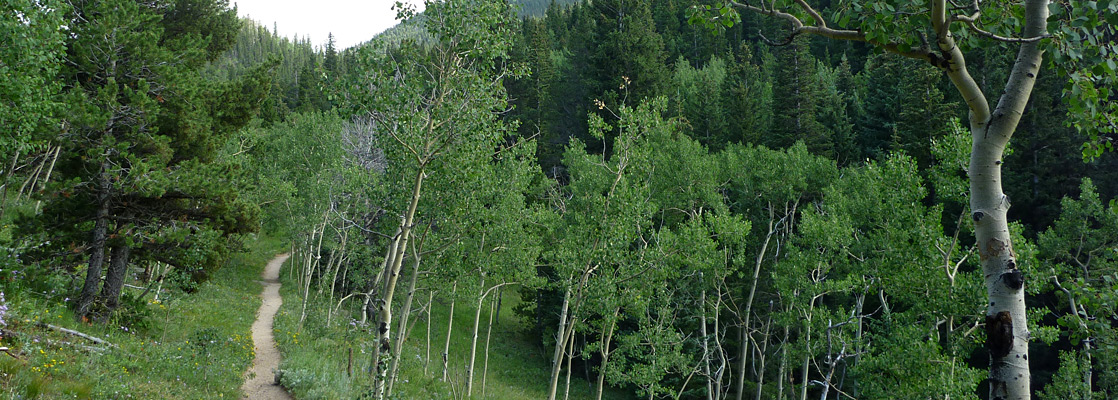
(315,360)
(198,345)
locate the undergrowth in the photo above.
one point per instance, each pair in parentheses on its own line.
(330,361)
(182,346)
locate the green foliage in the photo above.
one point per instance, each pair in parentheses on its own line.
(905,363)
(1069,380)
(700,99)
(31,50)
(1083,274)
(167,360)
(795,86)
(1084,50)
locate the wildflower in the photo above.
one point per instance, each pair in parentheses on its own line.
(3,310)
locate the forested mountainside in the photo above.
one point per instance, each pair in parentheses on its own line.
(604,199)
(536,8)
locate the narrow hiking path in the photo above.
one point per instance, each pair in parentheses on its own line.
(259,380)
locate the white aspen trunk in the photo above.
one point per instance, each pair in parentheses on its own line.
(706,343)
(389,253)
(449,329)
(605,352)
(384,334)
(334,279)
(488,334)
(46,180)
(473,341)
(718,345)
(560,342)
(1006,323)
(745,337)
(570,355)
(327,271)
(405,314)
(783,366)
(31,180)
(807,351)
(761,357)
(317,255)
(427,356)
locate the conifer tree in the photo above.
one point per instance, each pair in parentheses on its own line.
(137,165)
(795,98)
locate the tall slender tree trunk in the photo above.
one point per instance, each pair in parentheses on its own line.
(449,329)
(488,334)
(570,356)
(606,339)
(369,308)
(761,357)
(473,342)
(316,254)
(1006,324)
(560,343)
(97,244)
(28,185)
(780,373)
(427,309)
(384,347)
(114,277)
(405,314)
(46,179)
(807,350)
(745,337)
(706,343)
(719,373)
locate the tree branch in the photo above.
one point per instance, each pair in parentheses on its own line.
(822,30)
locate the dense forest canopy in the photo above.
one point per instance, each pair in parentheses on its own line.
(688,199)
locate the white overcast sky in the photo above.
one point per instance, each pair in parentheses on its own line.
(351,21)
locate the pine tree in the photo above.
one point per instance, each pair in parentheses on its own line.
(138,163)
(330,61)
(628,47)
(795,98)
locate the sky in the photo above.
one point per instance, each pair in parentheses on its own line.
(351,21)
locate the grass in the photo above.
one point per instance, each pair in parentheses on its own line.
(316,357)
(191,346)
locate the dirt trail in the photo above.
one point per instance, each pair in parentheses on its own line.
(259,380)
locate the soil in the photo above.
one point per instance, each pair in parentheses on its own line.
(260,381)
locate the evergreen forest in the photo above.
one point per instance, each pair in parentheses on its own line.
(577,199)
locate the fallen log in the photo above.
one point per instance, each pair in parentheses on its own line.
(93,339)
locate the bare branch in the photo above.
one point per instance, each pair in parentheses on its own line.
(971,22)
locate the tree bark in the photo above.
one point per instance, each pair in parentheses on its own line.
(114,277)
(311,266)
(384,336)
(761,356)
(47,178)
(405,314)
(97,244)
(427,356)
(1007,330)
(570,355)
(745,337)
(493,307)
(449,329)
(605,352)
(706,343)
(783,366)
(560,343)
(473,342)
